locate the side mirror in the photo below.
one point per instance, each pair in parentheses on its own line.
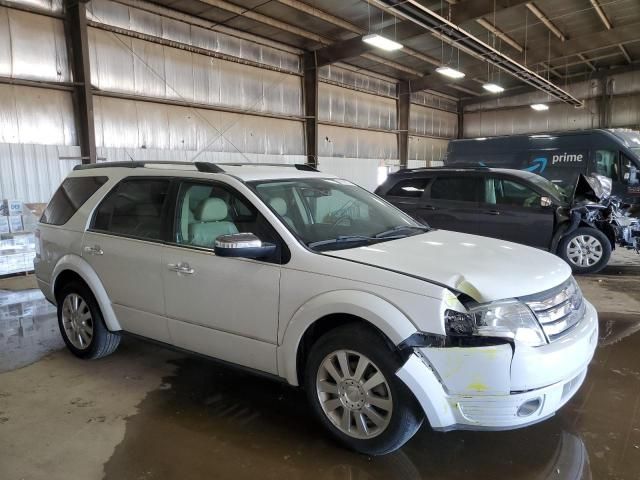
(545,202)
(244,245)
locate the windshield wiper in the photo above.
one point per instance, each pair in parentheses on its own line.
(393,230)
(350,238)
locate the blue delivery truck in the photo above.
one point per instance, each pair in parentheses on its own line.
(560,157)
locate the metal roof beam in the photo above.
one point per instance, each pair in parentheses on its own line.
(556,31)
(339,22)
(463,40)
(500,34)
(608,25)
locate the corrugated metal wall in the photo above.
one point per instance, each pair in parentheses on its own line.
(512,115)
(138,124)
(171,89)
(358,121)
(32,47)
(213,76)
(432,122)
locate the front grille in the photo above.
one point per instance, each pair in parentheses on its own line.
(558,309)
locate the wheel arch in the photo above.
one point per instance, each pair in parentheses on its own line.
(71,267)
(329,310)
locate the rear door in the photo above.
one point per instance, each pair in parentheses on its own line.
(452,202)
(511,211)
(124,246)
(407,193)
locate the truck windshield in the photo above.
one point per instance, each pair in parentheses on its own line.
(332,214)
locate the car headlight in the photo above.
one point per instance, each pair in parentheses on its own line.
(506,319)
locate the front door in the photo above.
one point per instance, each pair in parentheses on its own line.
(512,211)
(225,308)
(123,246)
(406,194)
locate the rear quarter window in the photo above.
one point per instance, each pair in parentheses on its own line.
(69,197)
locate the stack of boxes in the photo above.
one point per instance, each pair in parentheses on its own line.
(28,328)
(17,242)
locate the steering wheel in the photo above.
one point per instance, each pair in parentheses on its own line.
(338,220)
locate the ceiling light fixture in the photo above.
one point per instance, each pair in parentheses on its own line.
(381,42)
(539,107)
(449,72)
(493,88)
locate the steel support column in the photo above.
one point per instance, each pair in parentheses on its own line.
(403,106)
(78,46)
(460,121)
(310,92)
(604,104)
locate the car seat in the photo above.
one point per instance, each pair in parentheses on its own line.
(210,222)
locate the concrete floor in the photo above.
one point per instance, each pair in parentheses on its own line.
(150,413)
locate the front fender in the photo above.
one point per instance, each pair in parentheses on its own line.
(81,267)
(371,308)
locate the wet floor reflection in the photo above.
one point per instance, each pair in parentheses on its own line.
(211,422)
(28,328)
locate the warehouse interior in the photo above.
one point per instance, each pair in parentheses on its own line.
(290,82)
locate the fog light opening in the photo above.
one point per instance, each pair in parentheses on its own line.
(529,407)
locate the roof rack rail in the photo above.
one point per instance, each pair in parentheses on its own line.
(298,166)
(200,166)
(206,167)
(451,167)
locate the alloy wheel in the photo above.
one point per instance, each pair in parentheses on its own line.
(77,321)
(354,394)
(584,251)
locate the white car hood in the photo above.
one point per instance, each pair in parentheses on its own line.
(484,268)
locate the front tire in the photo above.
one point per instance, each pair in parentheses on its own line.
(81,323)
(586,250)
(351,385)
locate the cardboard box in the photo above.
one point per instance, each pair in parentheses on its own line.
(11,207)
(4,224)
(15,223)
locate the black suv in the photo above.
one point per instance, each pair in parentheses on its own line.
(512,205)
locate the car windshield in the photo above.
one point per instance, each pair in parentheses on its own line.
(332,214)
(555,191)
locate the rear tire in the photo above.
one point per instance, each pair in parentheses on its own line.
(82,325)
(586,250)
(367,409)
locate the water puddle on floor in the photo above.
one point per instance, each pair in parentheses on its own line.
(28,328)
(208,421)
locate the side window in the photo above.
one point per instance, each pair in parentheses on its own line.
(630,173)
(69,197)
(499,191)
(413,188)
(606,163)
(206,211)
(134,208)
(461,189)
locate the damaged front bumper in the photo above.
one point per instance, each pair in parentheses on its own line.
(495,388)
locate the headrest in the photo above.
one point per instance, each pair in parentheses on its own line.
(279,205)
(211,210)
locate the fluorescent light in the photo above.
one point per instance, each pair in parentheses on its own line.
(539,107)
(493,88)
(450,72)
(381,42)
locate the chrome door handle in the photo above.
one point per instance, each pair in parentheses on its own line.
(429,207)
(94,250)
(181,267)
(492,212)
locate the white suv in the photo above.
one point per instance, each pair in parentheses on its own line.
(311,279)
